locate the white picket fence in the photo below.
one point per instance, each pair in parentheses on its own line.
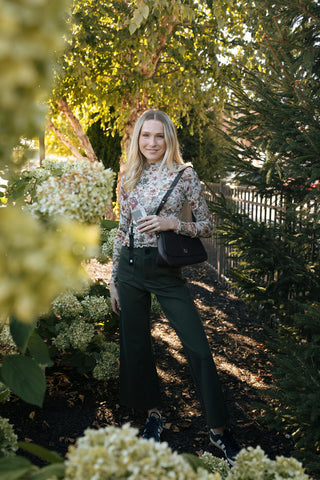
(247,200)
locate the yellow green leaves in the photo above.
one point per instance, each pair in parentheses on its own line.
(140,14)
(30,34)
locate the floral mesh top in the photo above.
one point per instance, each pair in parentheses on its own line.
(148,193)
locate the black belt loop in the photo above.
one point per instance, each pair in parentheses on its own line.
(131,245)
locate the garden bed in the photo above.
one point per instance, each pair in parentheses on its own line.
(75,402)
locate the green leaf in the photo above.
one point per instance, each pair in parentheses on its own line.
(39,350)
(13,468)
(20,332)
(132,28)
(145,11)
(41,452)
(57,469)
(25,378)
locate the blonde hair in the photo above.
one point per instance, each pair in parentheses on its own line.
(136,161)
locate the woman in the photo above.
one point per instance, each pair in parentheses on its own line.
(154,159)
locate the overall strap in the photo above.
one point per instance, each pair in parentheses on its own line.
(170,189)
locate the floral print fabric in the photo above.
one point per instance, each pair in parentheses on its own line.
(148,193)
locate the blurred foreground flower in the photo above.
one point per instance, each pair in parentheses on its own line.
(31,33)
(38,263)
(117,453)
(81,191)
(253,464)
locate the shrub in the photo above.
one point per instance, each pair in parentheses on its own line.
(95,308)
(66,306)
(114,453)
(215,464)
(38,263)
(76,335)
(8,439)
(81,193)
(253,464)
(108,363)
(107,237)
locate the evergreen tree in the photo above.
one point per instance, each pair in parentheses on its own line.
(275,122)
(203,148)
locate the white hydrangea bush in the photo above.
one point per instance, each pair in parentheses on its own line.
(253,464)
(81,193)
(37,263)
(113,453)
(66,306)
(216,464)
(8,439)
(95,308)
(7,344)
(77,326)
(108,364)
(77,335)
(106,249)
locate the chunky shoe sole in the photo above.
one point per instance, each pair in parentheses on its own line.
(219,443)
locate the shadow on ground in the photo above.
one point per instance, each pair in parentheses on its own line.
(74,403)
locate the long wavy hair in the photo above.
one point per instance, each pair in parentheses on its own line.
(136,161)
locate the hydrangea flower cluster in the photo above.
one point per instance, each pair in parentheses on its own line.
(37,263)
(81,193)
(95,308)
(78,334)
(7,344)
(5,393)
(215,464)
(108,363)
(253,464)
(66,306)
(107,246)
(117,453)
(8,439)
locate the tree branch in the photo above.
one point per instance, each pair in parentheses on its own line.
(75,152)
(77,129)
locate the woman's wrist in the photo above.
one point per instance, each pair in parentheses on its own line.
(175,222)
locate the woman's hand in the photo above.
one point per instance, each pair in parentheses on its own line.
(154,223)
(114,296)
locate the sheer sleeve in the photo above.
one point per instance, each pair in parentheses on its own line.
(192,189)
(123,229)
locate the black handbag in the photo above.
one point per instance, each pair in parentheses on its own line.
(176,250)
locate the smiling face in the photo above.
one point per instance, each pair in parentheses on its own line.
(152,143)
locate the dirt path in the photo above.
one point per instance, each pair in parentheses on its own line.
(75,402)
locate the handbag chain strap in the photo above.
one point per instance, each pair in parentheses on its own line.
(169,191)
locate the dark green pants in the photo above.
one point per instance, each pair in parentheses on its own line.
(139,385)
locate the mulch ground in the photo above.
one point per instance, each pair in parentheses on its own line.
(75,402)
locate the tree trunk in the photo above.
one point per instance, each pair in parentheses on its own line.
(75,152)
(77,129)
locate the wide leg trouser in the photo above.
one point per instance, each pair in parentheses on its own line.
(139,384)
